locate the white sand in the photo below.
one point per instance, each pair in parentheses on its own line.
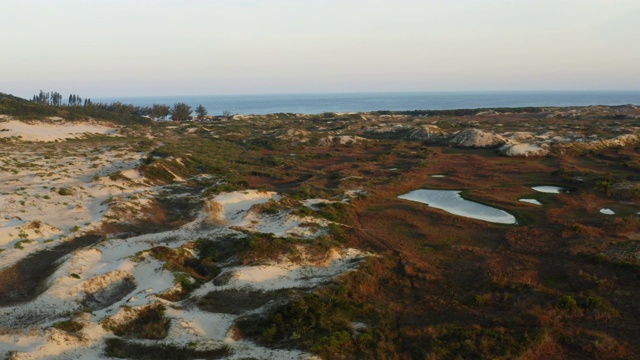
(44,131)
(36,214)
(27,197)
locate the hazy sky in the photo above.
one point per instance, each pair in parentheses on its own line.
(100,48)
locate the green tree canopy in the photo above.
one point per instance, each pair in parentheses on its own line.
(160,111)
(180,112)
(201,111)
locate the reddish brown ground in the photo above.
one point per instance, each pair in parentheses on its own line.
(443,262)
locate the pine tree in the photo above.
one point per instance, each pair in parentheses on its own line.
(201,111)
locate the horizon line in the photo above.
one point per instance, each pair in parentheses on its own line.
(372,93)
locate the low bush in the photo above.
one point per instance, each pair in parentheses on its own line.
(69,326)
(150,323)
(123,349)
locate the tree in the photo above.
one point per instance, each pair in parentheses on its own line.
(201,111)
(159,111)
(56,98)
(181,112)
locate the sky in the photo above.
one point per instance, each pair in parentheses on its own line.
(102,48)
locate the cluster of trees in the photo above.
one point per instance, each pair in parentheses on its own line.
(179,111)
(55,98)
(76,100)
(48,98)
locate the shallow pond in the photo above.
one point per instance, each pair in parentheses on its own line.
(549,189)
(451,202)
(531,201)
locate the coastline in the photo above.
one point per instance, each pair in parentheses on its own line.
(264,104)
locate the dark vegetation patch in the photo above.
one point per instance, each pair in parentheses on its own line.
(165,213)
(116,112)
(69,326)
(125,349)
(450,287)
(149,323)
(108,295)
(256,248)
(459,112)
(25,280)
(238,302)
(190,271)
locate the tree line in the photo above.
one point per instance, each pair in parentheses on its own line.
(55,98)
(179,112)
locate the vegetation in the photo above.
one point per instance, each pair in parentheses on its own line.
(181,112)
(201,111)
(69,326)
(562,281)
(159,111)
(115,112)
(148,323)
(124,349)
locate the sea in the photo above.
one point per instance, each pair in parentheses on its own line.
(317,103)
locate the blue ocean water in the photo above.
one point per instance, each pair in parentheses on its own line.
(362,102)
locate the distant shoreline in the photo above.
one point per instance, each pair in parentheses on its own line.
(366,102)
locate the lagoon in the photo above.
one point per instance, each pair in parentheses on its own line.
(549,189)
(451,202)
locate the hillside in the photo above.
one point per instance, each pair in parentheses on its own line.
(290,237)
(23,109)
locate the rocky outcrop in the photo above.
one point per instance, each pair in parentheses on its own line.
(339,140)
(384,128)
(476,138)
(428,133)
(525,150)
(519,136)
(621,140)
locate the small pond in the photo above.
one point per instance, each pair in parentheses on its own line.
(451,202)
(607,211)
(549,189)
(531,201)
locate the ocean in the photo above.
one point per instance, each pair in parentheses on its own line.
(362,102)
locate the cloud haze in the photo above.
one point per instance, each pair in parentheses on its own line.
(143,47)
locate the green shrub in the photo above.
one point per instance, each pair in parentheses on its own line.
(69,326)
(150,323)
(123,349)
(567,302)
(65,191)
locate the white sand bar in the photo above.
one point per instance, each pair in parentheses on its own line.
(451,202)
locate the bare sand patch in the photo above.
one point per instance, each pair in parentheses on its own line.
(43,131)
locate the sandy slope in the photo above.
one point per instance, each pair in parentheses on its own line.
(47,131)
(35,214)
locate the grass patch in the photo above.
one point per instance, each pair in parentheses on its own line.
(237,302)
(149,323)
(69,326)
(123,349)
